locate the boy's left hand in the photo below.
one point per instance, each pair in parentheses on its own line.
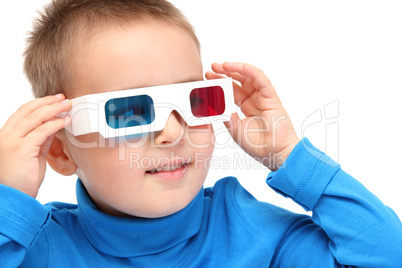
(267,133)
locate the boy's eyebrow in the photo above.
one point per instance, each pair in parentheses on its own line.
(191,79)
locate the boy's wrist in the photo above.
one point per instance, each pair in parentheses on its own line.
(305,174)
(284,154)
(21,216)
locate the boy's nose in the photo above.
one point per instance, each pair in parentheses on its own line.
(173,132)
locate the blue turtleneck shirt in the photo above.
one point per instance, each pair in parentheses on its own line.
(223,226)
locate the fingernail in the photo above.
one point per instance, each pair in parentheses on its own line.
(67,121)
(62,115)
(60,95)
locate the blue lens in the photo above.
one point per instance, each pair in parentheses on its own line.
(129,111)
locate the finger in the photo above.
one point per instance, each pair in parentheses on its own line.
(239,95)
(233,126)
(245,69)
(40,116)
(46,145)
(41,134)
(210,75)
(260,80)
(247,85)
(217,68)
(31,106)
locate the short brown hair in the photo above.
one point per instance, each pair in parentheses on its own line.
(62,21)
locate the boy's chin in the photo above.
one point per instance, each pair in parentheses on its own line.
(160,213)
(156,210)
(150,215)
(164,209)
(157,214)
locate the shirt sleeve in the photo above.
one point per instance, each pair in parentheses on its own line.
(359,230)
(21,220)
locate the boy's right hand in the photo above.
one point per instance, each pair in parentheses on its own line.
(25,140)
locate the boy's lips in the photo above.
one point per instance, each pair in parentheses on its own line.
(167,168)
(173,170)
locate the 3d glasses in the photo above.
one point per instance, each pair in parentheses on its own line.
(143,110)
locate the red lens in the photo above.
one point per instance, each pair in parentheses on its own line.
(207,101)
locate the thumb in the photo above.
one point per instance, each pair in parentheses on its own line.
(46,145)
(234,127)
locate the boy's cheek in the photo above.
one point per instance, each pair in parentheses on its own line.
(201,127)
(202,163)
(201,137)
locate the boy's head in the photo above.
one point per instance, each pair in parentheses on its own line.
(65,25)
(112,52)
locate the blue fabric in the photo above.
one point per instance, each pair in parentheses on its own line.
(224,226)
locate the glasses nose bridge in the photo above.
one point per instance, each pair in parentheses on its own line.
(175,120)
(164,110)
(173,131)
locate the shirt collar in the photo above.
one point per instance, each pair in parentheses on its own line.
(130,237)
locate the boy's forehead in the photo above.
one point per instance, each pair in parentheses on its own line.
(134,56)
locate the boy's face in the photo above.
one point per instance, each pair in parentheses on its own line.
(118,173)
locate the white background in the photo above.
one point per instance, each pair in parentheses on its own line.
(342,55)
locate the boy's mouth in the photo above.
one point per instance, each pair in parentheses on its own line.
(169,168)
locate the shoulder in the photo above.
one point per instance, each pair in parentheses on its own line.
(63,217)
(238,203)
(60,207)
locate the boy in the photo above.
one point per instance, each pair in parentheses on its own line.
(160,215)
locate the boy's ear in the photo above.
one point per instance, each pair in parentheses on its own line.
(59,157)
